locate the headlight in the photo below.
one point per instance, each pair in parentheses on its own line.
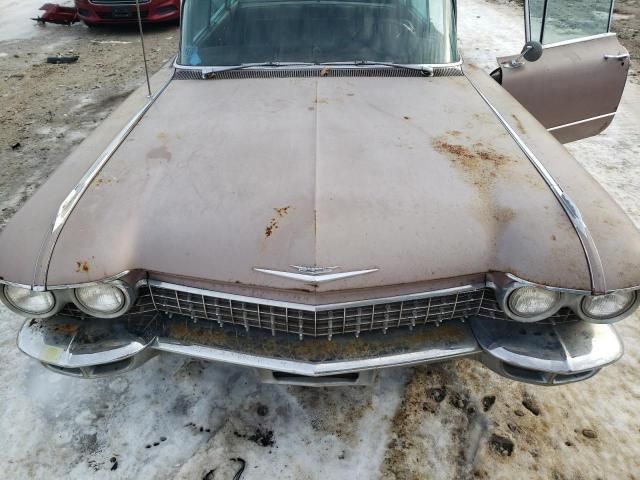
(533,302)
(101,300)
(27,301)
(606,307)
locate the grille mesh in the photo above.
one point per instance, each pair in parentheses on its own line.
(410,314)
(316,72)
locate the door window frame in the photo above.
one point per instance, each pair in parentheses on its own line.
(527,25)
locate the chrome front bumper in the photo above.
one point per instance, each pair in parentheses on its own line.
(546,354)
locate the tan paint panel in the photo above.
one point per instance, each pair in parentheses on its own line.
(570,83)
(616,237)
(22,238)
(413,176)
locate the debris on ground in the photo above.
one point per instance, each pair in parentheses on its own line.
(54,13)
(531,404)
(243,464)
(261,437)
(63,59)
(16,146)
(487,402)
(501,445)
(587,432)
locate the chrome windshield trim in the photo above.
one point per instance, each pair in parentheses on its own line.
(319,66)
(579,39)
(596,270)
(579,122)
(66,207)
(310,307)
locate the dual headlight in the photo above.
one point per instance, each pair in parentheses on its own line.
(530,303)
(103,300)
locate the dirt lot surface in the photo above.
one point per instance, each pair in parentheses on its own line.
(626,23)
(47,109)
(185,419)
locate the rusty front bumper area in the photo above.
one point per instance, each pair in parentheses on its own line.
(545,354)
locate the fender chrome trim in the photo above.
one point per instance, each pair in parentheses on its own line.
(596,270)
(66,207)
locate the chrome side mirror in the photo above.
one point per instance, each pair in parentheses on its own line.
(531,52)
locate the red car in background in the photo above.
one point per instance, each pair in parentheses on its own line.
(93,12)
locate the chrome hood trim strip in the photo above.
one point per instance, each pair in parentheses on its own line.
(314,278)
(596,270)
(310,307)
(42,265)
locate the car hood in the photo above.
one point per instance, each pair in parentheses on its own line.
(414,177)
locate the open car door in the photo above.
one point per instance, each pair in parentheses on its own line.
(575,87)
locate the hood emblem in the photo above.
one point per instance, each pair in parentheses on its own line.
(313,270)
(313,274)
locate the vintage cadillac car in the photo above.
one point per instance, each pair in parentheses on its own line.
(320,189)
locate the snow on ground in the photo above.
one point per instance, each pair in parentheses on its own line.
(176,418)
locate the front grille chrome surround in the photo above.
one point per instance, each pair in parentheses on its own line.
(312,321)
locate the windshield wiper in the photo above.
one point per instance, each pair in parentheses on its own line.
(210,72)
(425,70)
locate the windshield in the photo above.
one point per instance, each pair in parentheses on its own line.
(235,32)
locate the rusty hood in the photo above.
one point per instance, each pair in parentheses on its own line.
(414,177)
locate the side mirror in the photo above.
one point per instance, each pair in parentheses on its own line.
(531,52)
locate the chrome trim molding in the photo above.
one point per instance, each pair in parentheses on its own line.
(537,354)
(579,122)
(316,369)
(579,39)
(315,308)
(110,279)
(207,70)
(596,270)
(314,278)
(69,203)
(571,348)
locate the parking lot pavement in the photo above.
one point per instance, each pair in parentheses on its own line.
(175,418)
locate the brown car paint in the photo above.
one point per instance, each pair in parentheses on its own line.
(429,186)
(571,83)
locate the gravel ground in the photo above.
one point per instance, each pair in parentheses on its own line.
(175,418)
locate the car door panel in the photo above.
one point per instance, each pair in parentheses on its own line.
(575,87)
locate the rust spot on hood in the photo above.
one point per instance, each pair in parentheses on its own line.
(82,266)
(274,222)
(479,164)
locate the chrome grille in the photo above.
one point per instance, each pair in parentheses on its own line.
(322,321)
(318,323)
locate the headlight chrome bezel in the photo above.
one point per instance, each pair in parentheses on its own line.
(558,303)
(629,308)
(128,294)
(11,305)
(505,284)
